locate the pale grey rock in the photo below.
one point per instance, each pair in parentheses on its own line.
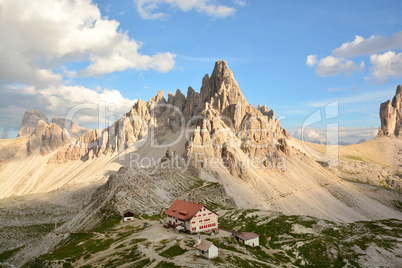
(73,129)
(29,122)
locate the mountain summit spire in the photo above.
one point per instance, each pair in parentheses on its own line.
(221,82)
(391,115)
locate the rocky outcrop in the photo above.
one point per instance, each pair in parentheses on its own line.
(73,129)
(47,138)
(230,130)
(29,122)
(194,104)
(391,115)
(258,138)
(162,186)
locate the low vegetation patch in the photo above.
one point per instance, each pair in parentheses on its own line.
(173,251)
(320,244)
(109,220)
(8,254)
(165,264)
(74,247)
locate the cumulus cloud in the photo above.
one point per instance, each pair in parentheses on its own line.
(311,60)
(345,135)
(57,100)
(41,36)
(330,66)
(148,8)
(374,44)
(38,36)
(384,65)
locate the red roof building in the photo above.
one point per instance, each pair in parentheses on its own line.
(193,217)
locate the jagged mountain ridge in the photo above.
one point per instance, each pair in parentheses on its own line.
(219,105)
(224,131)
(47,136)
(31,118)
(286,179)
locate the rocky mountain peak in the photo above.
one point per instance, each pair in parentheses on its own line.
(221,124)
(221,86)
(29,122)
(398,89)
(391,115)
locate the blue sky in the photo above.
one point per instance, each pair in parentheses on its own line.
(266,44)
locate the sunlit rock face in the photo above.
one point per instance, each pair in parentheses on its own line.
(391,115)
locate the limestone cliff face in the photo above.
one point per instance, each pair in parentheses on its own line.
(231,130)
(73,129)
(220,123)
(44,136)
(29,122)
(391,115)
(47,138)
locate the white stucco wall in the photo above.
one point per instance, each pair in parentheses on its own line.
(212,252)
(251,241)
(128,219)
(199,220)
(173,221)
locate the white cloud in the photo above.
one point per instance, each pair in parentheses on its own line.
(57,100)
(38,36)
(124,56)
(387,64)
(310,134)
(240,3)
(148,8)
(374,44)
(383,65)
(311,60)
(345,135)
(330,66)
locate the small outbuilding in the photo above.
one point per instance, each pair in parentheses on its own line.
(205,248)
(128,215)
(247,238)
